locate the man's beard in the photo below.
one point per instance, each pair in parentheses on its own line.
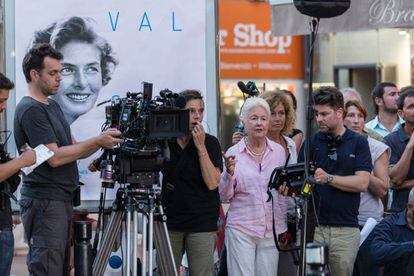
(390,110)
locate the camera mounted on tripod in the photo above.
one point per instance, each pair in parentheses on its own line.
(146,125)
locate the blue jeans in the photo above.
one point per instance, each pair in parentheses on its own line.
(6,251)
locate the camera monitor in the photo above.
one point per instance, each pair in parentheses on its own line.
(168,123)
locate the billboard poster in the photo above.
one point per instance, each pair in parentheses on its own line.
(110,47)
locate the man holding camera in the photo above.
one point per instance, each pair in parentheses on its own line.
(343,162)
(189,193)
(8,184)
(46,194)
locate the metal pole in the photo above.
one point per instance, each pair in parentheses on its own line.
(128,241)
(135,242)
(309,118)
(150,236)
(144,245)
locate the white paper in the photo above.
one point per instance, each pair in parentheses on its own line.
(43,153)
(368,227)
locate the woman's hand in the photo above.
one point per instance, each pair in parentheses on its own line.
(237,136)
(230,163)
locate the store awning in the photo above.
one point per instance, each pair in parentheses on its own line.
(362,15)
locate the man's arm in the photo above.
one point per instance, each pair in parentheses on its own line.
(67,154)
(8,169)
(407,184)
(379,178)
(399,171)
(383,249)
(352,183)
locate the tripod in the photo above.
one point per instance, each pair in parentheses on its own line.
(129,202)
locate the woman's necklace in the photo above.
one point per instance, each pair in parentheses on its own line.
(251,151)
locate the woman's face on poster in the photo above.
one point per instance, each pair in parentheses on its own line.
(81,78)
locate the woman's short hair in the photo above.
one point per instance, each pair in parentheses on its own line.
(76,28)
(358,105)
(274,98)
(251,103)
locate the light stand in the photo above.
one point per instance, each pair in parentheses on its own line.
(306,190)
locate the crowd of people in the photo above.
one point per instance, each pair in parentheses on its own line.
(357,164)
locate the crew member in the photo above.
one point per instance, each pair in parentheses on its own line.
(46,194)
(344,165)
(8,184)
(189,193)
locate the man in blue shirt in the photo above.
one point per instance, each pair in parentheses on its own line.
(384,97)
(401,144)
(393,241)
(344,165)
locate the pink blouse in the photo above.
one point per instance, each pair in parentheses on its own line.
(247,191)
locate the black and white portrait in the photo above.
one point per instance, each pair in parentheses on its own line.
(87,65)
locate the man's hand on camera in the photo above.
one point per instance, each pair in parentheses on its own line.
(199,136)
(237,136)
(28,157)
(109,138)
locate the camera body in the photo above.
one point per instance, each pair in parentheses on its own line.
(146,125)
(8,186)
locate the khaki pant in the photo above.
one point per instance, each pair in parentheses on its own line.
(343,245)
(199,248)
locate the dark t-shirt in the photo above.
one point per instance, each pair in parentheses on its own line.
(5,213)
(335,207)
(38,123)
(397,141)
(189,205)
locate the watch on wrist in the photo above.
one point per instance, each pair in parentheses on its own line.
(330,178)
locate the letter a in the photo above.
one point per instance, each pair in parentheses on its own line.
(147,24)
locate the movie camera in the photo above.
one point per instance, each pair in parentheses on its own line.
(146,125)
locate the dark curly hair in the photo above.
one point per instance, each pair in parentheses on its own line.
(33,60)
(76,28)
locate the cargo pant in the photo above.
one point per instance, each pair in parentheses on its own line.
(47,227)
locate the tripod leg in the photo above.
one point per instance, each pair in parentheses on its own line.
(165,258)
(101,261)
(150,241)
(134,240)
(128,242)
(144,246)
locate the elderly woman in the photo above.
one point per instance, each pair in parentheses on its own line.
(249,164)
(371,204)
(281,122)
(87,65)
